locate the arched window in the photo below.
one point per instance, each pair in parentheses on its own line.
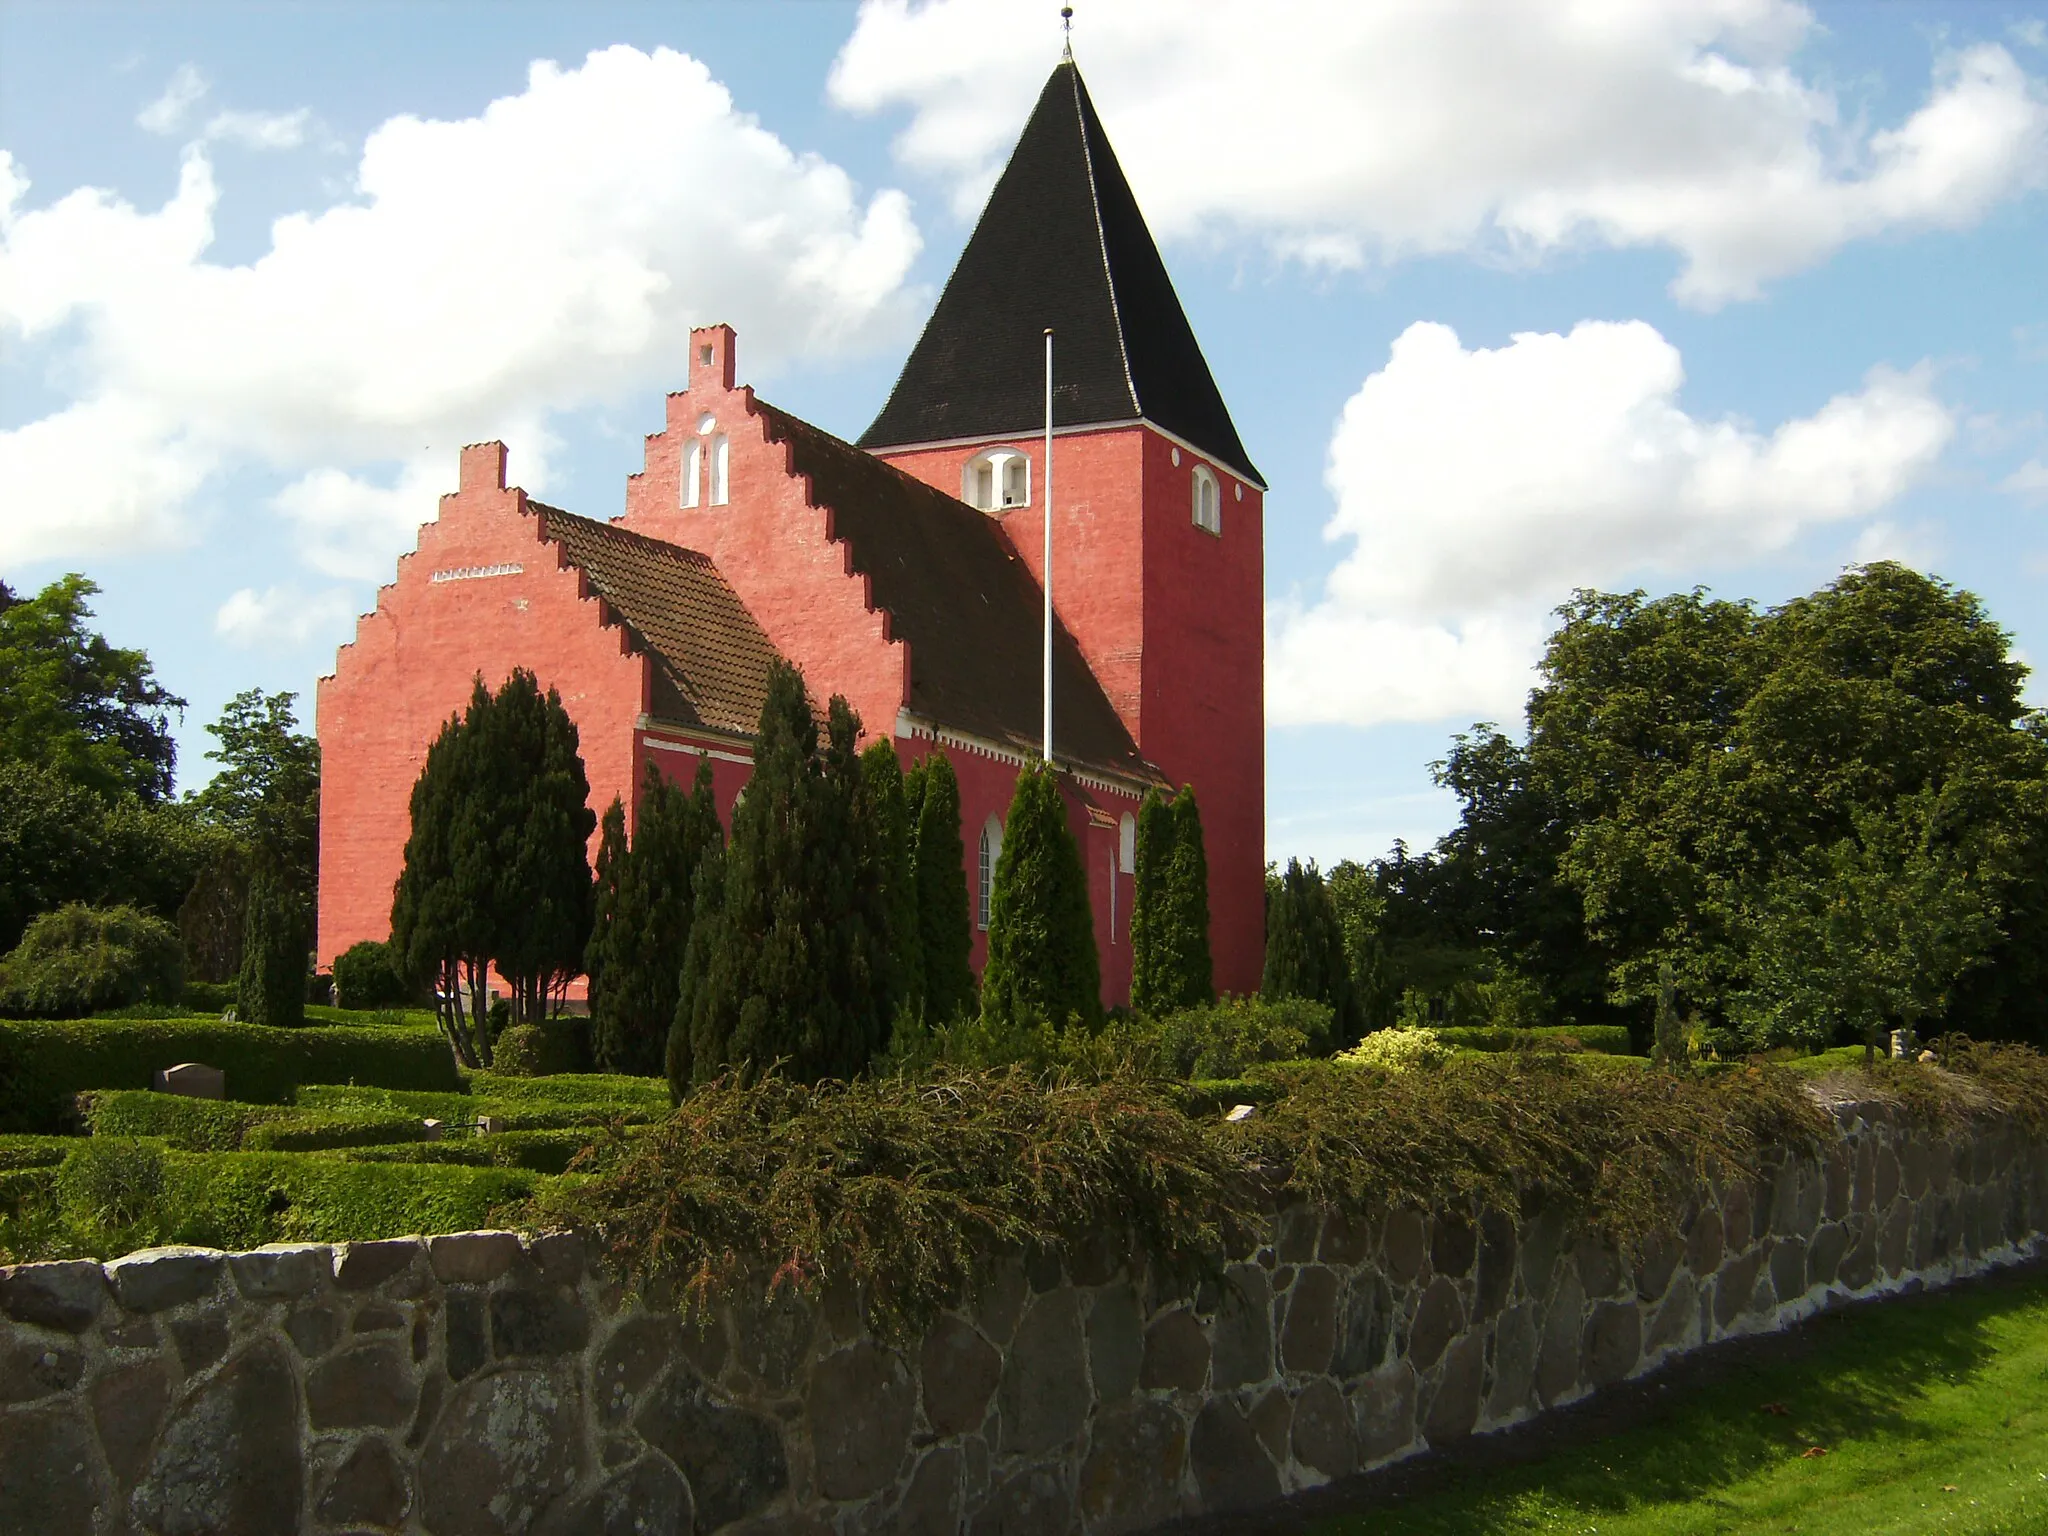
(1208,503)
(718,458)
(996,479)
(985,879)
(1127,844)
(693,471)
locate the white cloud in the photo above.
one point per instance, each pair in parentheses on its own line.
(546,255)
(259,130)
(167,114)
(349,524)
(1477,488)
(282,616)
(111,473)
(1342,133)
(2030,480)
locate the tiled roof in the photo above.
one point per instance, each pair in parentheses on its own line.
(710,657)
(1061,245)
(969,608)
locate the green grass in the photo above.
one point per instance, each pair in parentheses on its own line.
(1933,1412)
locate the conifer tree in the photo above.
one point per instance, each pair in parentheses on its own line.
(1042,964)
(945,930)
(1152,982)
(645,909)
(271,988)
(1305,947)
(435,933)
(793,969)
(887,804)
(1187,903)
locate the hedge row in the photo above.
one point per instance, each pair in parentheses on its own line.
(44,1064)
(539,1151)
(1609,1039)
(212,1125)
(530,1113)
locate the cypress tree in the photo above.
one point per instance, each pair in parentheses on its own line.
(1187,903)
(794,970)
(1042,964)
(887,803)
(437,932)
(944,927)
(1152,989)
(613,918)
(1305,947)
(541,895)
(271,988)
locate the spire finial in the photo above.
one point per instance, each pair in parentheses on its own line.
(1067,29)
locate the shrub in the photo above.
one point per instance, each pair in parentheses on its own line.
(1400,1049)
(271,986)
(536,1050)
(112,1183)
(18,1151)
(214,997)
(1611,1039)
(369,975)
(78,959)
(1225,1038)
(537,1151)
(44,1064)
(309,1132)
(188,1124)
(1042,965)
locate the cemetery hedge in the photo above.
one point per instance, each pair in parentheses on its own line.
(1608,1039)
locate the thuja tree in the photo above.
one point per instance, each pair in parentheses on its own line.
(276,938)
(1305,947)
(886,807)
(497,868)
(644,911)
(1170,964)
(786,965)
(1042,964)
(945,933)
(1151,984)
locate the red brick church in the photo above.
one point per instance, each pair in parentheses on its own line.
(902,571)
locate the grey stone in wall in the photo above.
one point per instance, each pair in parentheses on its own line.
(485,1384)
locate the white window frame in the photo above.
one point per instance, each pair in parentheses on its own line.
(985,874)
(1000,467)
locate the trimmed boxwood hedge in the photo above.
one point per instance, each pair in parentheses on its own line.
(34,1151)
(510,1113)
(1608,1039)
(540,1151)
(43,1064)
(244,1199)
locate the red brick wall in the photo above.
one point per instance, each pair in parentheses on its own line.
(411,665)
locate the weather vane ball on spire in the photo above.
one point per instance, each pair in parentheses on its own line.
(1067,29)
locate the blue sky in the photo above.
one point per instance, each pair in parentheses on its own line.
(1505,300)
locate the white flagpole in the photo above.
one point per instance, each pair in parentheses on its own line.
(1048,545)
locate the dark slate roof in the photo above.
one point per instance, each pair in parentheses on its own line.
(1060,244)
(969,608)
(710,657)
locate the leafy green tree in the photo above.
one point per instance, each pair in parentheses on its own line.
(1154,989)
(786,963)
(77,960)
(72,705)
(1042,963)
(645,909)
(945,929)
(276,940)
(267,792)
(887,807)
(1362,917)
(1305,948)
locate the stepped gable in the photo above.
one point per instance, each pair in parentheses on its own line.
(710,658)
(969,609)
(1061,244)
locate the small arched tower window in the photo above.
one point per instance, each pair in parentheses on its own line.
(1127,844)
(985,875)
(1208,502)
(996,479)
(706,454)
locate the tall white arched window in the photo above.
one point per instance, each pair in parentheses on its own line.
(693,471)
(985,873)
(1208,502)
(718,480)
(1127,844)
(996,479)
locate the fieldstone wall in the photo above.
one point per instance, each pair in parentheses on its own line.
(484,1384)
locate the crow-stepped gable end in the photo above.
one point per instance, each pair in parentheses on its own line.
(904,573)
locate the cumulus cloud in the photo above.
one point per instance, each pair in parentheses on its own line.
(167,114)
(1343,133)
(260,130)
(282,616)
(546,255)
(1477,487)
(2030,480)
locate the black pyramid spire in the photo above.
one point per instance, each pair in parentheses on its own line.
(1060,244)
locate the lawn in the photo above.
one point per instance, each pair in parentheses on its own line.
(1930,1415)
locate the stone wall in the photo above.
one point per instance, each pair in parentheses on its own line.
(481,1384)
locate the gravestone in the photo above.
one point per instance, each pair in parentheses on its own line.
(193,1080)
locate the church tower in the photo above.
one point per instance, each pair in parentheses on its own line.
(1158,521)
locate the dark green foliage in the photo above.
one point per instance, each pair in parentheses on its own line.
(1222,1040)
(276,942)
(537,1151)
(945,926)
(208,996)
(368,974)
(78,960)
(887,808)
(1604,1039)
(61,842)
(267,792)
(75,708)
(208,1125)
(786,961)
(211,916)
(645,908)
(538,1050)
(1187,968)
(43,1064)
(1042,965)
(497,868)
(1153,989)
(1305,947)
